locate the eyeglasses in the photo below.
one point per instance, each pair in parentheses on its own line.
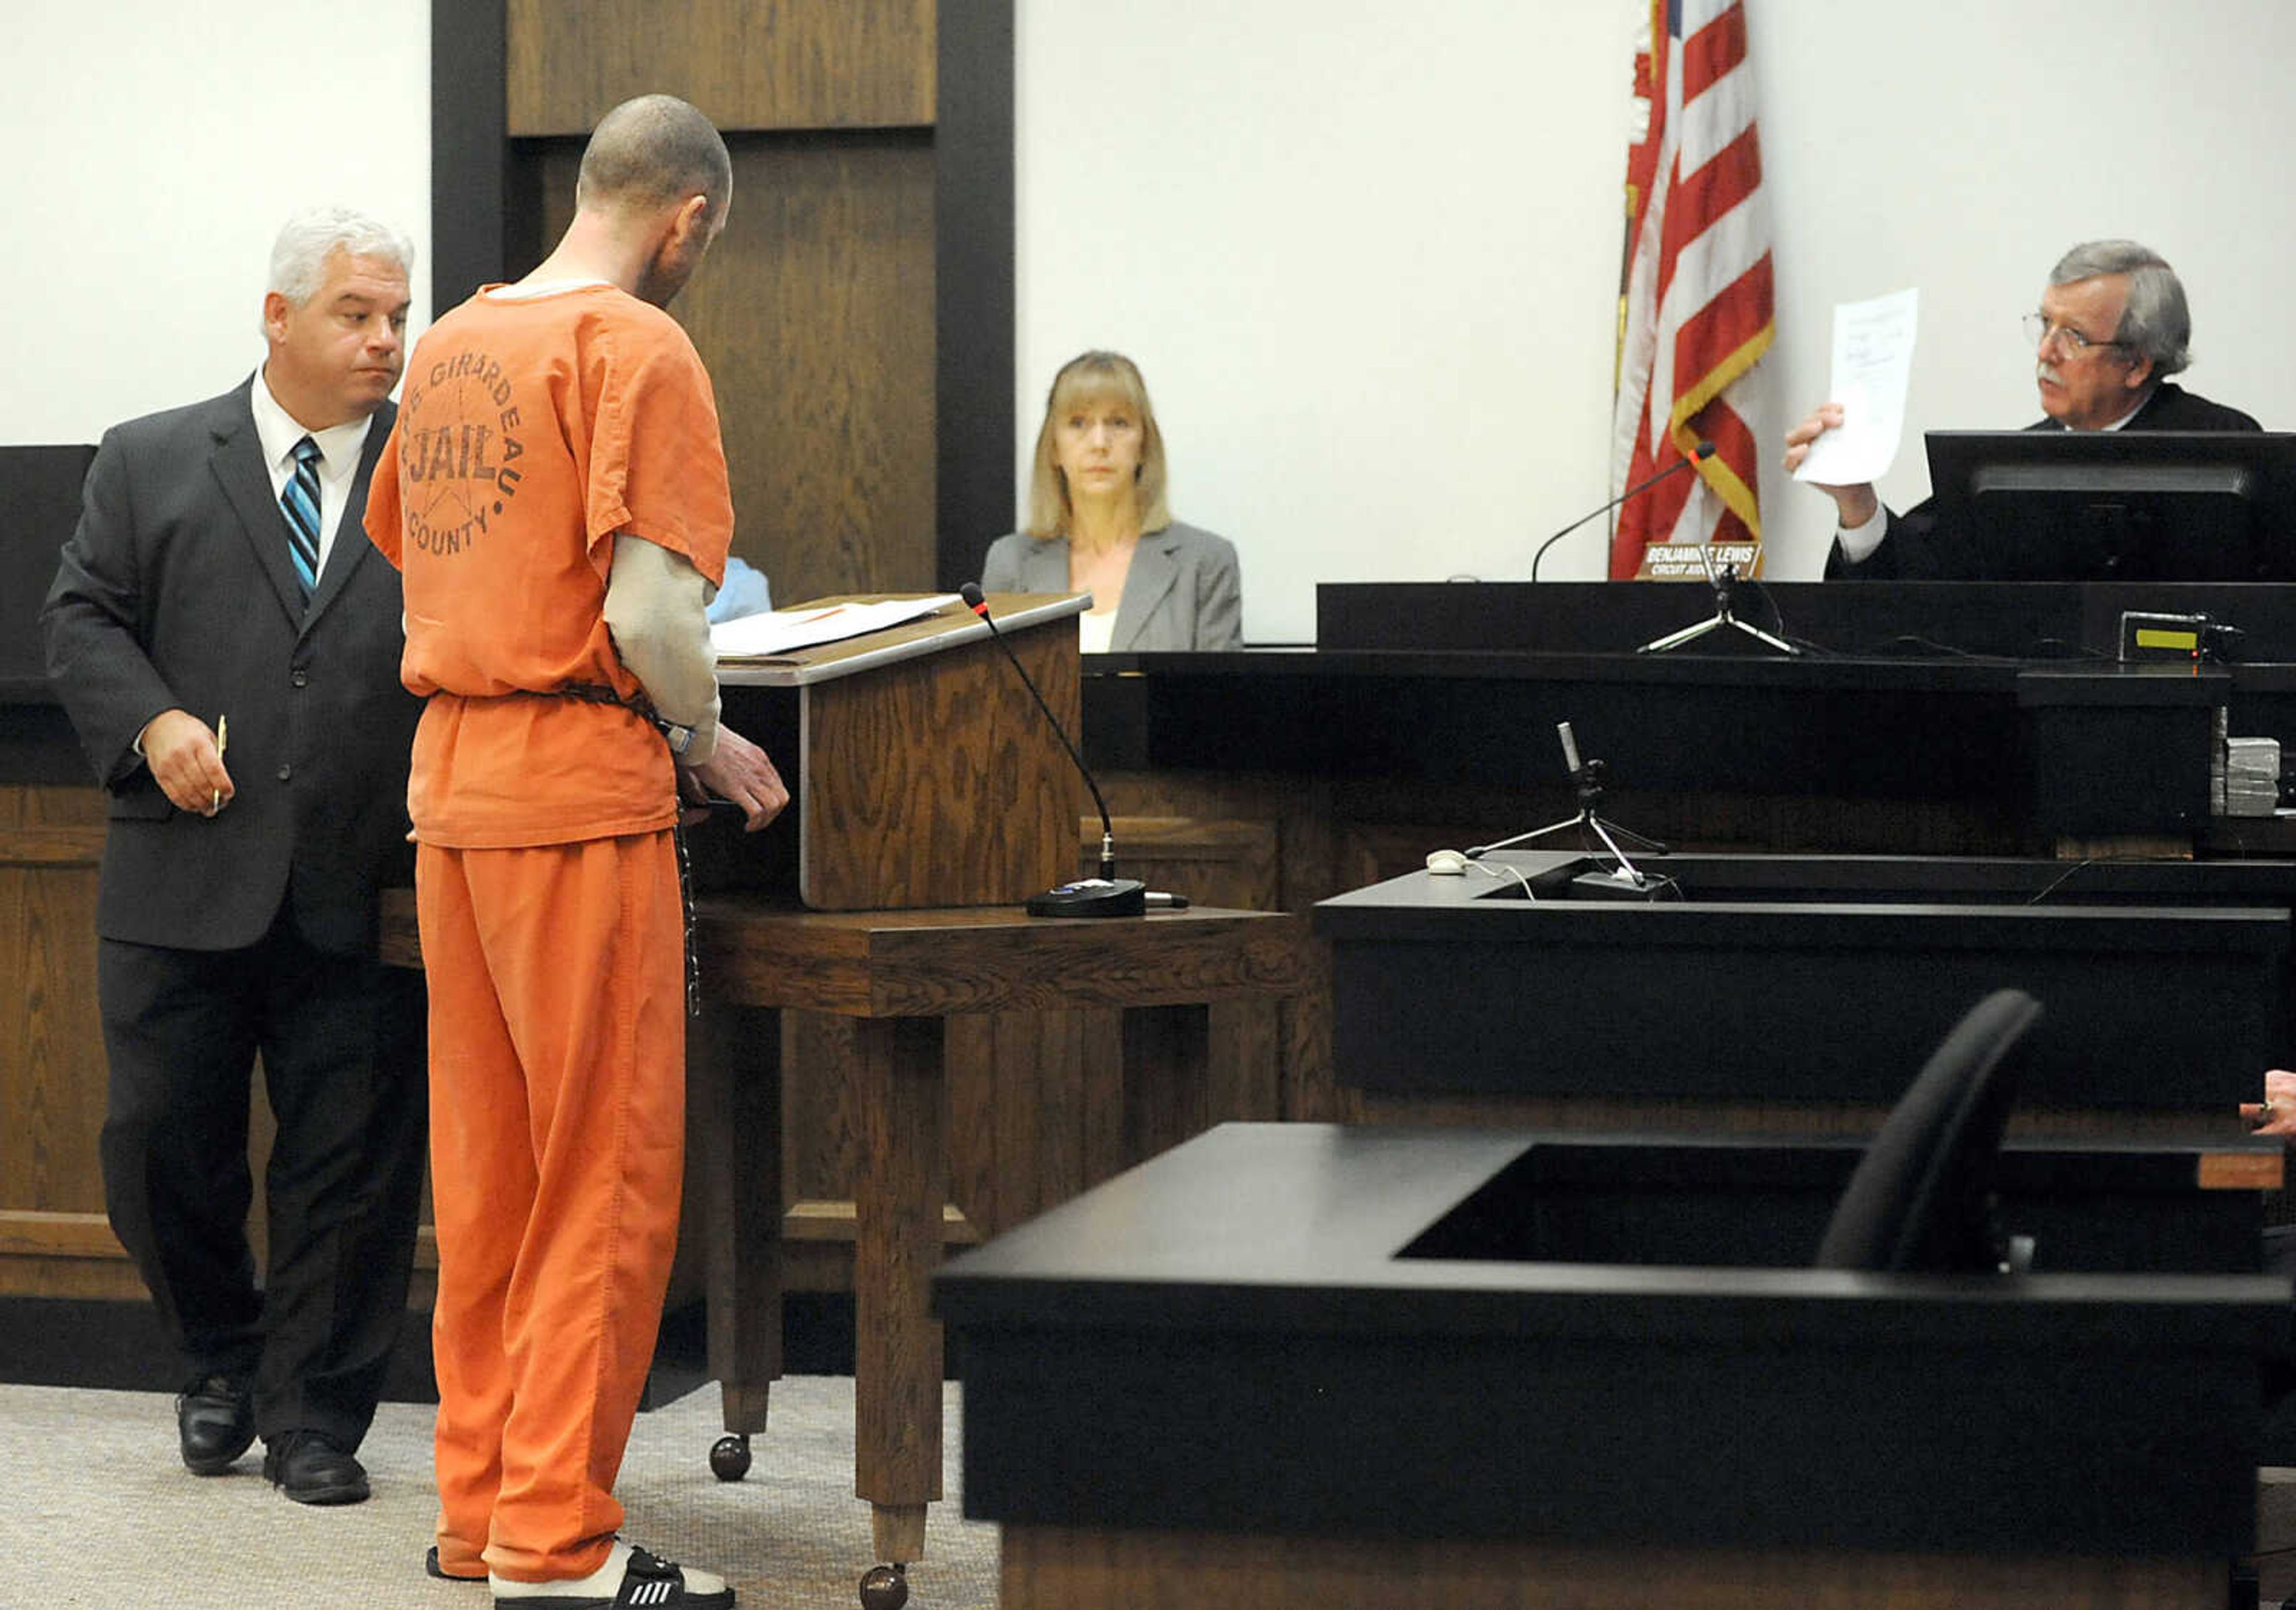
(2038,331)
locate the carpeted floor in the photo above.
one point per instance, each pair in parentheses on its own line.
(102,1515)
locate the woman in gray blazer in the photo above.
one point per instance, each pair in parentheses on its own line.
(1098,523)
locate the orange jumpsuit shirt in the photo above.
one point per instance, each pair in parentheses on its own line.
(516,460)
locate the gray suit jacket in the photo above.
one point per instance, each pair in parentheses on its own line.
(1182,592)
(175,590)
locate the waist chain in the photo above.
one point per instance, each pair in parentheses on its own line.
(678,737)
(597,693)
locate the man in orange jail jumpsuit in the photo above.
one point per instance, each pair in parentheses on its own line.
(555,494)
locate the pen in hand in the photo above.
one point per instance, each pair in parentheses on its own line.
(223,736)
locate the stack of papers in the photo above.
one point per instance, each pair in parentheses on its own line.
(780,632)
(2252,777)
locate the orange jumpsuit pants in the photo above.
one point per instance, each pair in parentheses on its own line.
(557,1145)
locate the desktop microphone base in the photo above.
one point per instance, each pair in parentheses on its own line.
(1632,887)
(1092,897)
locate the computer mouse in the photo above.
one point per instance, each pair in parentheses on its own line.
(1446,863)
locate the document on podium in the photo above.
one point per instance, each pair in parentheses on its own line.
(779,631)
(1872,362)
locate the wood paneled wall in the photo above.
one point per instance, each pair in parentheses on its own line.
(750,64)
(53,1239)
(815,314)
(816,310)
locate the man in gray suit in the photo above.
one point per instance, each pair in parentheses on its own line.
(226,644)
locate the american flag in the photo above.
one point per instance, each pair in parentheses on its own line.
(1695,302)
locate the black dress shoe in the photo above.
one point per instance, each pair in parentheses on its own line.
(308,1467)
(215,1422)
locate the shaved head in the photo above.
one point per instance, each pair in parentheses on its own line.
(651,153)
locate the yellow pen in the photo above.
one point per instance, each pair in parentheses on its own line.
(223,736)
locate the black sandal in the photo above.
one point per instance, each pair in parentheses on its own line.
(430,1568)
(649,1583)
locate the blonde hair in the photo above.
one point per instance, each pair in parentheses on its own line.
(1094,377)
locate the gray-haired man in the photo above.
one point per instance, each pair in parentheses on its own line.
(2113,327)
(226,644)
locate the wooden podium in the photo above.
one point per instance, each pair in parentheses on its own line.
(925,773)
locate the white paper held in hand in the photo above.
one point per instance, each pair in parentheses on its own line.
(1873,363)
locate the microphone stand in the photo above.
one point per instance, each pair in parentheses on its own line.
(1720,581)
(1106,896)
(1698,455)
(1589,778)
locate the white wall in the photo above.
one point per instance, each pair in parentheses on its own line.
(155,147)
(1366,255)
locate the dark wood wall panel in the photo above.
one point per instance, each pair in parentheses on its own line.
(814,313)
(472,211)
(974,298)
(51,1099)
(820,320)
(54,1239)
(750,64)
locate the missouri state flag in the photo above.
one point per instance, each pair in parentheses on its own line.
(1695,313)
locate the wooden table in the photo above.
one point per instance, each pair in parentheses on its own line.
(900,975)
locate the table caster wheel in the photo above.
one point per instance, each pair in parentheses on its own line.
(729,1457)
(885,1587)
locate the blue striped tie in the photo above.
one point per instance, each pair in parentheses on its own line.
(300,500)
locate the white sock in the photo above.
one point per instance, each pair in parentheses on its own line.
(603,1583)
(701,1583)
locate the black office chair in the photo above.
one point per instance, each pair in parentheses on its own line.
(1921,1199)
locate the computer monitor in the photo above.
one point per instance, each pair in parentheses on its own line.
(2117,505)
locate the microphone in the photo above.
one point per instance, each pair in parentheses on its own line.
(1698,455)
(1106,896)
